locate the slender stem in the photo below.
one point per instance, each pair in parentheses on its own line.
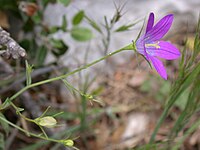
(83,113)
(128,47)
(18,112)
(186,134)
(70,87)
(32,134)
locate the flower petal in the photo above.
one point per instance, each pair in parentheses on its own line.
(160,29)
(150,22)
(140,45)
(166,50)
(158,65)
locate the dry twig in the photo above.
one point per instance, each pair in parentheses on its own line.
(9,47)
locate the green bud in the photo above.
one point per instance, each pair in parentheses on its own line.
(68,142)
(89,96)
(47,121)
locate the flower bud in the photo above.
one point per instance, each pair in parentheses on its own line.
(68,142)
(47,121)
(89,96)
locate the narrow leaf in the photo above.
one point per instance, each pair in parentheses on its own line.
(64,23)
(28,73)
(4,125)
(41,55)
(2,142)
(93,24)
(78,18)
(126,27)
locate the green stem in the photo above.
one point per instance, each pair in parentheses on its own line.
(128,47)
(83,113)
(70,87)
(161,119)
(186,134)
(18,112)
(29,133)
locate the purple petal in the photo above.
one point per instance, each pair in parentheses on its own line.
(150,22)
(166,50)
(160,29)
(158,65)
(140,45)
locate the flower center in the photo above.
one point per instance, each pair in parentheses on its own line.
(152,45)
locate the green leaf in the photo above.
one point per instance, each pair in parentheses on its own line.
(176,93)
(37,18)
(192,106)
(5,104)
(81,34)
(46,2)
(189,131)
(60,47)
(4,125)
(2,142)
(64,2)
(29,70)
(93,24)
(197,42)
(124,27)
(78,18)
(54,29)
(41,55)
(28,25)
(19,110)
(182,100)
(30,45)
(97,91)
(64,23)
(64,115)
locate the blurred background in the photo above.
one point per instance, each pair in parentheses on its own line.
(62,35)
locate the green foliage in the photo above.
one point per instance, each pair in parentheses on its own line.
(184,91)
(65,115)
(64,2)
(64,24)
(40,55)
(81,34)
(60,47)
(196,42)
(94,24)
(191,129)
(30,46)
(5,127)
(37,19)
(29,70)
(10,5)
(187,82)
(2,142)
(125,27)
(182,100)
(78,18)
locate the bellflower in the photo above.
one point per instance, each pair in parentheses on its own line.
(152,48)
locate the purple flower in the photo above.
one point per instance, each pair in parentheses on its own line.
(151,47)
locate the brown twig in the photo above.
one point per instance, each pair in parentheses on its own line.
(10,48)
